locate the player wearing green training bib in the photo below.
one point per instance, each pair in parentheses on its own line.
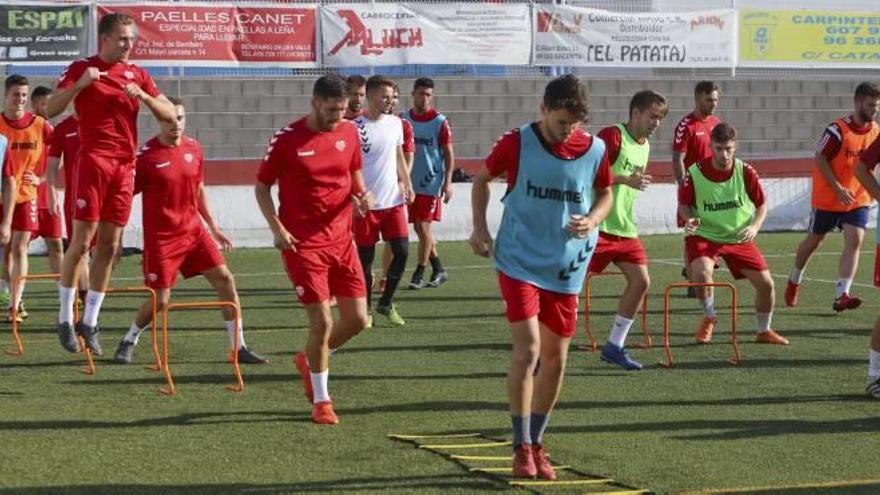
(724,205)
(628,149)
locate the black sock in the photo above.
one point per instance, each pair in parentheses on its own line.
(399,251)
(366,255)
(419,272)
(436,265)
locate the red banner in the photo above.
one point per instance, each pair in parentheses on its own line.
(222,34)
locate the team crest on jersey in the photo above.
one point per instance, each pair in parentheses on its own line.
(81,203)
(340,145)
(128,74)
(188,157)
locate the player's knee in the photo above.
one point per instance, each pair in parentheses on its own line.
(641,283)
(553,365)
(526,356)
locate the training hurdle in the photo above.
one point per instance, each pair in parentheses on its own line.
(646,343)
(737,358)
(236,316)
(90,362)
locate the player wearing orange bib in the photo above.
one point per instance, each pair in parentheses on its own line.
(839,201)
(28,135)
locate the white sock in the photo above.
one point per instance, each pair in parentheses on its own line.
(843,286)
(873,365)
(134,333)
(319,386)
(230,329)
(796,276)
(4,286)
(709,306)
(763,320)
(619,330)
(94,299)
(66,295)
(19,293)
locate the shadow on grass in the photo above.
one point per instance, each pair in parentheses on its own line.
(718,429)
(410,484)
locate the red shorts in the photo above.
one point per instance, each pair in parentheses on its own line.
(190,254)
(390,222)
(523,300)
(317,274)
(615,249)
(425,209)
(737,257)
(104,188)
(50,225)
(25,217)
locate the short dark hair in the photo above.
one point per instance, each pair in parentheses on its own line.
(705,87)
(16,80)
(176,101)
(644,100)
(377,81)
(109,22)
(355,81)
(567,93)
(867,90)
(423,82)
(723,133)
(330,86)
(40,92)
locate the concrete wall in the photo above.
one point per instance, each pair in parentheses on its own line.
(234,118)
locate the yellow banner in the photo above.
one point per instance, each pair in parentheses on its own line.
(808,38)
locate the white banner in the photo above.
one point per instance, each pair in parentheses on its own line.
(361,34)
(597,38)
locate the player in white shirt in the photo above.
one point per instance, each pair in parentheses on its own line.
(387,178)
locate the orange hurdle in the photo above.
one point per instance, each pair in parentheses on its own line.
(737,358)
(90,362)
(647,343)
(236,314)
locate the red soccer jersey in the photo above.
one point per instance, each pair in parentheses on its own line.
(65,145)
(313,171)
(504,157)
(686,195)
(693,138)
(871,156)
(445,131)
(107,116)
(831,140)
(409,138)
(169,178)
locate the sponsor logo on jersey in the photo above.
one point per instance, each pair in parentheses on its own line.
(723,205)
(553,194)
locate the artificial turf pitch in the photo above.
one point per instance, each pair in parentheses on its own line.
(795,418)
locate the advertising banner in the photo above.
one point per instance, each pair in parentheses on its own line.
(809,38)
(360,34)
(584,37)
(222,34)
(41,32)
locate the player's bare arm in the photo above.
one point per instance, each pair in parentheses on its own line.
(283,239)
(53,165)
(480,239)
(403,178)
(205,213)
(159,106)
(9,189)
(867,180)
(678,166)
(581,225)
(61,98)
(449,157)
(362,198)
